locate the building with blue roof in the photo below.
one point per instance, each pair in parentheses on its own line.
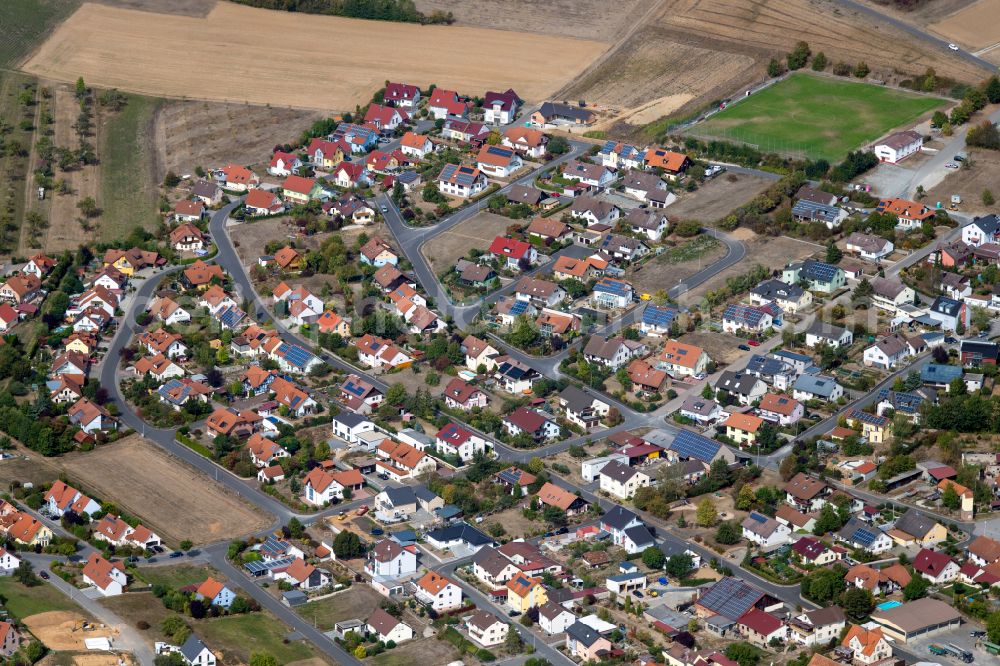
(940,376)
(657,319)
(738,317)
(816,387)
(688,445)
(817,276)
(610,293)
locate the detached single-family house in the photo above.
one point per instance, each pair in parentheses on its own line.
(898,146)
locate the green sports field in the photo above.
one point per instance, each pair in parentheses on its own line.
(816,116)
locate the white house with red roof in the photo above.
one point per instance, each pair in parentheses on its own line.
(8,317)
(327,154)
(458,180)
(239,178)
(322,487)
(760,627)
(453,439)
(385,118)
(500,108)
(415,145)
(935,566)
(438,592)
(284,164)
(447,103)
(402,95)
(262,202)
(514,254)
(108,577)
(62,498)
(39,265)
(351,174)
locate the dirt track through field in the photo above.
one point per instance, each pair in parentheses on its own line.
(243,54)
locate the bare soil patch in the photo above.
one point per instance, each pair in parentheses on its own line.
(771,252)
(173,499)
(581,19)
(720,347)
(190,134)
(60,630)
(476,232)
(984,173)
(976,26)
(152,54)
(717,198)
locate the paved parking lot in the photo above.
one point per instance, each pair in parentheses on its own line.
(958,636)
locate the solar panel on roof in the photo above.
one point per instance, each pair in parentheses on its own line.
(658,315)
(818,270)
(864,536)
(691,445)
(519,307)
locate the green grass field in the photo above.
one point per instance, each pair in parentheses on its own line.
(239,635)
(129,195)
(24,601)
(26,23)
(815,116)
(179,575)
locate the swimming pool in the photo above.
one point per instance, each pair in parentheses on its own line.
(888,604)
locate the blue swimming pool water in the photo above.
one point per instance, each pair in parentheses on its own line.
(888,604)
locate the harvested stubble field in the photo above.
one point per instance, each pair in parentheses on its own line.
(207,58)
(975,27)
(667,54)
(176,501)
(816,116)
(581,19)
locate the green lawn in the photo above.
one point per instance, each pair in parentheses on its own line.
(24,601)
(129,195)
(177,576)
(815,116)
(26,23)
(239,635)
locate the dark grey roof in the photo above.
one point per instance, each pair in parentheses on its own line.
(400,496)
(576,399)
(739,383)
(640,536)
(815,384)
(730,598)
(946,306)
(350,419)
(192,648)
(618,517)
(618,471)
(582,633)
(462,531)
(915,523)
(424,493)
(772,289)
(824,330)
(549,109)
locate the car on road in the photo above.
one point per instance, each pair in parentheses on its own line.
(385,139)
(638,594)
(44,575)
(192,553)
(562,530)
(385,209)
(753,343)
(950,165)
(950,340)
(953,47)
(959,158)
(977,634)
(744,347)
(176,554)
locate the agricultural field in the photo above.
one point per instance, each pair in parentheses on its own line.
(976,26)
(815,116)
(174,500)
(581,19)
(190,134)
(709,50)
(15,146)
(128,189)
(91,43)
(26,23)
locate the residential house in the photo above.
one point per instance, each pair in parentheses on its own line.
(498,161)
(868,646)
(109,578)
(738,318)
(569,503)
(22,288)
(817,387)
(479,353)
(646,223)
(438,592)
(447,103)
(670,163)
(868,246)
(500,108)
(376,252)
(613,352)
(622,480)
(585,643)
(529,142)
(388,559)
(208,193)
(822,333)
(982,230)
(284,164)
(595,175)
(61,499)
(949,313)
(168,311)
(805,493)
(818,276)
(460,394)
(890,294)
(402,95)
(215,593)
(760,627)
(384,627)
(555,113)
(581,408)
(887,353)
(514,377)
(788,297)
(861,535)
(681,360)
(525,592)
(780,409)
(910,214)
(594,211)
(91,417)
(513,254)
(743,429)
(238,178)
(524,421)
(416,145)
(456,440)
(745,388)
